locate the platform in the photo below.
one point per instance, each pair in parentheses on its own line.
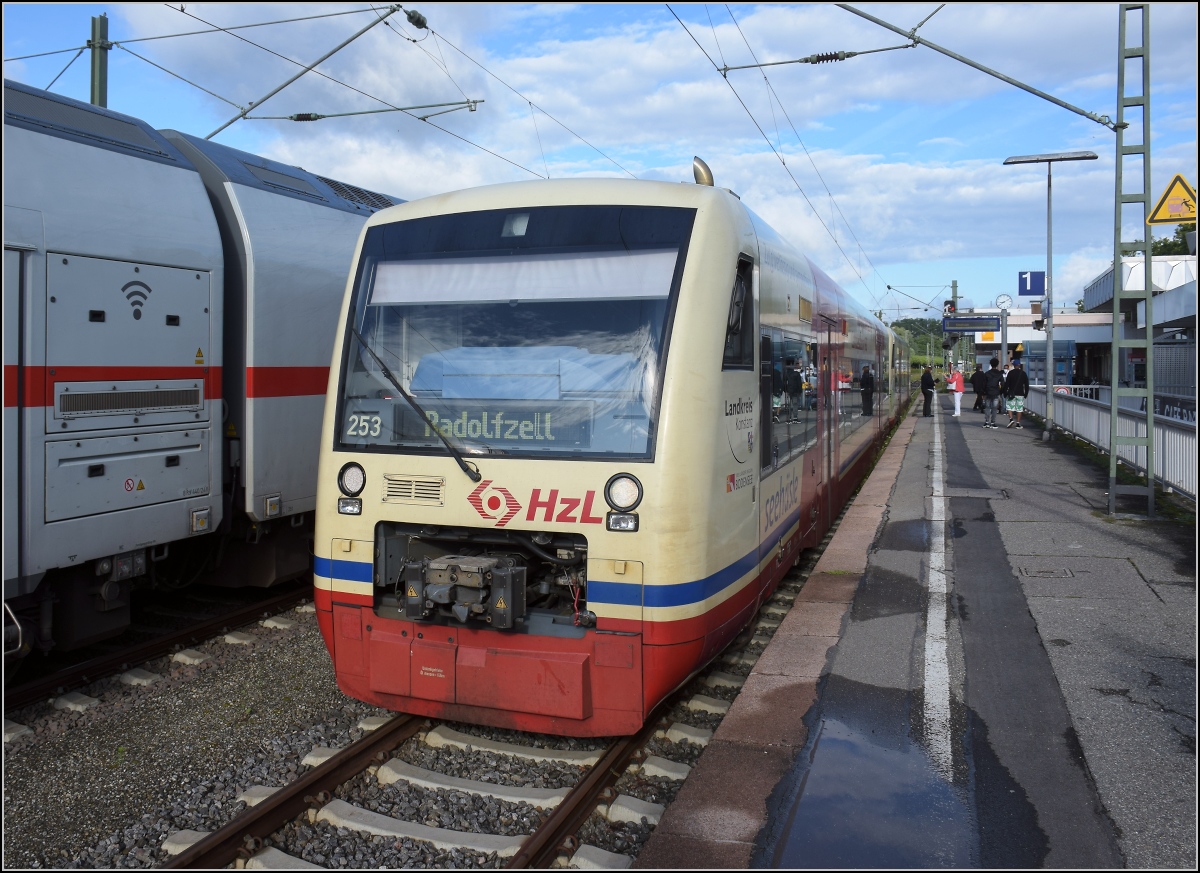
(983,670)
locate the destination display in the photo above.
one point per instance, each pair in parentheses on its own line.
(553,425)
(969,323)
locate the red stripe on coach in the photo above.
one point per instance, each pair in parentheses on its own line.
(286,381)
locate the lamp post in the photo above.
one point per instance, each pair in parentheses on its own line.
(1049,161)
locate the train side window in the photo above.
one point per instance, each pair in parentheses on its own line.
(739,327)
(794,398)
(766,394)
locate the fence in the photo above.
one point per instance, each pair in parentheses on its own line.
(1083,413)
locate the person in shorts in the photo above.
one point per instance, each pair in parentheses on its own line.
(1016,387)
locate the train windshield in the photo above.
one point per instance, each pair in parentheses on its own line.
(529,332)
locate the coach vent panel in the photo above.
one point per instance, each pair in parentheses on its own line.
(112,299)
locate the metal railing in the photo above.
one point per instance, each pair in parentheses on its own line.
(1079,410)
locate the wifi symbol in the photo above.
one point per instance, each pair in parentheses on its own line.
(136,296)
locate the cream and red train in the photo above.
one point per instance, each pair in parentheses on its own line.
(576,432)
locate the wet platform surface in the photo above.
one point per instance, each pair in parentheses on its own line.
(986,672)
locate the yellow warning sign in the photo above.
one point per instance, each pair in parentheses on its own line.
(140,487)
(199,356)
(412,592)
(500,604)
(1177,204)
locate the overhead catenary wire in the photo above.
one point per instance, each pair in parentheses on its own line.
(808,154)
(539,139)
(774,151)
(64,69)
(198,32)
(314,116)
(527,100)
(371,97)
(176,75)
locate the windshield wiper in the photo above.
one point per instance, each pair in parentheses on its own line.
(471,472)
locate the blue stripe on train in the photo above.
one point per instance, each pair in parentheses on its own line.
(351,571)
(621,593)
(684,593)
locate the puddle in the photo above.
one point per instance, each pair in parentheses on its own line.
(904,536)
(863,804)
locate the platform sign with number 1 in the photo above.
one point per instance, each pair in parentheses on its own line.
(1031,284)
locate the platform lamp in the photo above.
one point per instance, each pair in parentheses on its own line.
(1049,161)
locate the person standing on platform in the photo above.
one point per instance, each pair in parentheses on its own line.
(1004,371)
(993,390)
(1016,386)
(955,384)
(978,378)
(866,384)
(927,386)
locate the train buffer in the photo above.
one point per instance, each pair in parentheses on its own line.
(1003,628)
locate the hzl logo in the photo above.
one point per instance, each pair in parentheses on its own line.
(488,499)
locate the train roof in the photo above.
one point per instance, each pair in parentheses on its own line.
(564,192)
(54,115)
(255,171)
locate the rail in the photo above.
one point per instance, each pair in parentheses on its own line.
(1081,411)
(81,674)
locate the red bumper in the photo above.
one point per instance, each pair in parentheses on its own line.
(590,686)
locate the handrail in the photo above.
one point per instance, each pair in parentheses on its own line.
(1175,459)
(20,631)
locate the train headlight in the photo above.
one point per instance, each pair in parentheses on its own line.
(623,522)
(349,506)
(352,479)
(623,492)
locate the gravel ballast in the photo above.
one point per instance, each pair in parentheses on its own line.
(105,787)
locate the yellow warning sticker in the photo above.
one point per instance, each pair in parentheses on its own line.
(412,592)
(1177,204)
(199,356)
(500,604)
(140,487)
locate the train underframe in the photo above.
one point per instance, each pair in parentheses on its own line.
(75,607)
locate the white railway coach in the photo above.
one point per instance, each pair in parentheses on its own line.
(166,346)
(576,434)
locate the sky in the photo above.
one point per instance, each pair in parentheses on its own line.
(885,168)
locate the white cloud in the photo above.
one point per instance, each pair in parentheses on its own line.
(909,142)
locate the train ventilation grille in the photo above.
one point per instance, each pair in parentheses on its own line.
(361,196)
(425,490)
(115,402)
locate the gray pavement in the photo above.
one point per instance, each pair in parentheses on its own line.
(1069,644)
(1114,606)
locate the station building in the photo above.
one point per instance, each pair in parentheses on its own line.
(1083,340)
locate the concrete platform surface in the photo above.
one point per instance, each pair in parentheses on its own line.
(982,670)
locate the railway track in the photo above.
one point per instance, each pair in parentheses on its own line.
(260,837)
(84,672)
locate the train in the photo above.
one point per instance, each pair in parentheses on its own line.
(576,433)
(168,307)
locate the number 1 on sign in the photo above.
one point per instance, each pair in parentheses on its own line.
(1031,283)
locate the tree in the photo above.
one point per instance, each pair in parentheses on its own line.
(1170,245)
(1173,245)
